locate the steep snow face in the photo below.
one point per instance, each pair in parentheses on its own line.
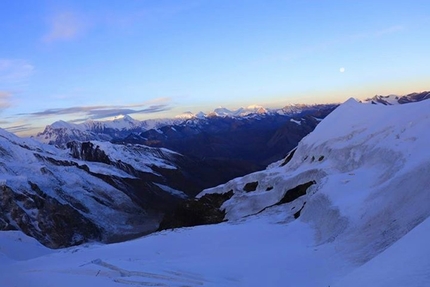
(370,164)
(405,263)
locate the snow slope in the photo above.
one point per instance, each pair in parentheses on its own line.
(259,252)
(405,263)
(363,220)
(94,191)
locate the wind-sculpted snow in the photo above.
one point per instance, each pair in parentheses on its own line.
(371,165)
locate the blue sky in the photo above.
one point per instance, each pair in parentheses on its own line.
(75,60)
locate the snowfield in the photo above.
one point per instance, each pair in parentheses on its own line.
(363,220)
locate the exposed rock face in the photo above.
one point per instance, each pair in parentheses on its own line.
(192,212)
(296,192)
(87,151)
(51,222)
(250,186)
(207,208)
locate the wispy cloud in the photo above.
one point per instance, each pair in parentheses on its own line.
(64,26)
(5,98)
(378,33)
(328,44)
(104,111)
(147,14)
(17,129)
(390,30)
(14,70)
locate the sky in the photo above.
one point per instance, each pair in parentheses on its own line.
(79,60)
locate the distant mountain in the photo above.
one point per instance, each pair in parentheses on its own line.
(219,146)
(394,99)
(236,143)
(60,132)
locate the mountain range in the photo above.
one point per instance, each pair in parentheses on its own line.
(61,132)
(89,189)
(395,99)
(347,207)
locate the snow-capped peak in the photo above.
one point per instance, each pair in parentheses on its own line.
(397,99)
(222,112)
(186,115)
(64,125)
(126,118)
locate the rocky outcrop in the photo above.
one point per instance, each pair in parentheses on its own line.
(250,186)
(87,151)
(52,223)
(192,212)
(296,192)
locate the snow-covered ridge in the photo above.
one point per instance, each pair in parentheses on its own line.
(397,99)
(89,191)
(252,110)
(369,165)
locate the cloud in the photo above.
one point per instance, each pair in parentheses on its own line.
(14,70)
(4,100)
(146,15)
(389,30)
(64,26)
(19,128)
(328,44)
(103,111)
(106,113)
(378,33)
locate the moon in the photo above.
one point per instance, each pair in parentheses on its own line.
(342,70)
